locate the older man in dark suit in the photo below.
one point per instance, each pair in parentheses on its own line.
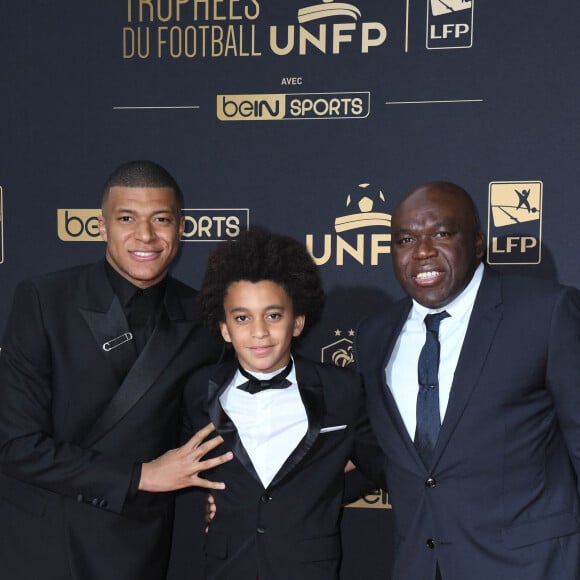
(473,386)
(91,374)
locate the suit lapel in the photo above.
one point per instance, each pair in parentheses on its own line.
(386,342)
(104,316)
(483,324)
(112,335)
(312,395)
(224,426)
(170,332)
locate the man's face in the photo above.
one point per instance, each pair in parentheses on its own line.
(260,323)
(436,245)
(142,227)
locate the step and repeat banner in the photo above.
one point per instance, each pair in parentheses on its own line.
(310,118)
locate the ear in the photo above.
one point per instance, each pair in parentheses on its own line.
(225,333)
(102,228)
(298,325)
(181,226)
(479,241)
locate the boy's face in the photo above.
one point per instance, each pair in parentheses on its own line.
(260,323)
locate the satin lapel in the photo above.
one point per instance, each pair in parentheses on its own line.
(112,335)
(223,424)
(312,395)
(483,324)
(170,332)
(104,316)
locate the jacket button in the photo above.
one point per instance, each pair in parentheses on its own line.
(80,498)
(261,530)
(266,498)
(103,503)
(430,543)
(430,482)
(95,502)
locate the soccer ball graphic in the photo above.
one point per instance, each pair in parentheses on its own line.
(365,197)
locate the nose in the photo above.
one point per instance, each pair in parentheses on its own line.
(259,328)
(145,231)
(424,248)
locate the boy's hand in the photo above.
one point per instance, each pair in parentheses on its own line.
(179,468)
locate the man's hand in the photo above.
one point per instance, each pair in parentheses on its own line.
(179,468)
(210,510)
(349,466)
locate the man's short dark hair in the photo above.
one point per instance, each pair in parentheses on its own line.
(142,173)
(259,255)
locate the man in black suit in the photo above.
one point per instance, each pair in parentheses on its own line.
(483,457)
(291,423)
(91,374)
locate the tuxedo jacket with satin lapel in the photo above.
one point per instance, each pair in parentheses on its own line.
(71,429)
(500,499)
(289,530)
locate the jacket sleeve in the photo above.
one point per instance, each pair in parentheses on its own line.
(563,369)
(29,450)
(367,455)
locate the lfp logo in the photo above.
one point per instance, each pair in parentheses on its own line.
(449,23)
(515,222)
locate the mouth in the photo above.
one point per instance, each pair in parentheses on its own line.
(261,350)
(427,278)
(144,256)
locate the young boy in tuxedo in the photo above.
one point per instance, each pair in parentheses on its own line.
(292,423)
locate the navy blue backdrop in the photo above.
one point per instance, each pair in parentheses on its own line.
(312,119)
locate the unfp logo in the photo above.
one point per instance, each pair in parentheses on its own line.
(449,23)
(515,222)
(360,235)
(293,106)
(201,225)
(329,38)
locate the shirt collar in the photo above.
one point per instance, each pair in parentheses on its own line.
(124,290)
(239,378)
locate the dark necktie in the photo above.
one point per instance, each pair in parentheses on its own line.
(428,416)
(140,317)
(255,385)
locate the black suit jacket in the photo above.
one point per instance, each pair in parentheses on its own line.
(501,497)
(290,529)
(71,433)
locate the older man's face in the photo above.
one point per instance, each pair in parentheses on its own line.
(436,245)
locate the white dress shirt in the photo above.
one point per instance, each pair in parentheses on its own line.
(270,423)
(401,371)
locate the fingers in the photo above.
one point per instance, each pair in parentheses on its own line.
(202,434)
(350,466)
(215,461)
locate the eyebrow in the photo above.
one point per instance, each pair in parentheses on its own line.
(439,224)
(157,211)
(245,308)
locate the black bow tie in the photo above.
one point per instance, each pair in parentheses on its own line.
(255,385)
